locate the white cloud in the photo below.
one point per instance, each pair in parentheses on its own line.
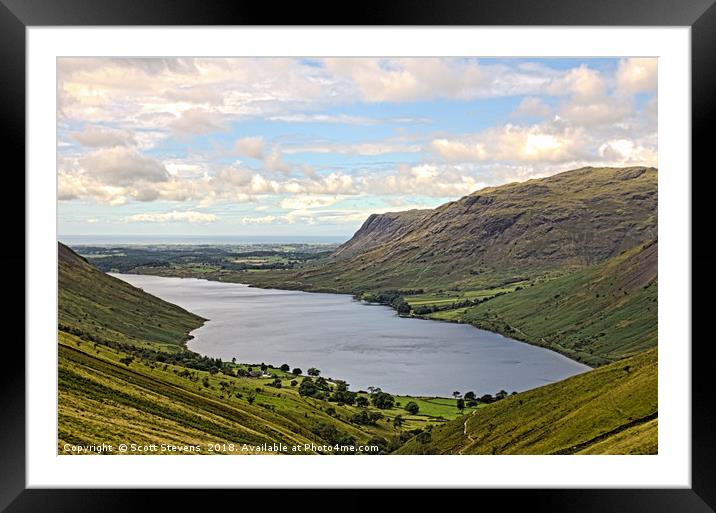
(411,79)
(97,136)
(197,122)
(345,119)
(273,162)
(309,201)
(635,75)
(628,152)
(173,217)
(531,106)
(120,166)
(250,147)
(368,149)
(513,143)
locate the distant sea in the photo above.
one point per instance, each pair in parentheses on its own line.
(78,240)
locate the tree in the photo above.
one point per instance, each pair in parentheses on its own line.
(398,422)
(382,400)
(264,367)
(285,367)
(412,408)
(294,382)
(469,396)
(424,437)
(379,442)
(296,372)
(500,395)
(251,397)
(126,360)
(233,360)
(461,404)
(341,394)
(456,394)
(361,401)
(313,372)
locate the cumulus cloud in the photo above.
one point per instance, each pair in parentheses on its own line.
(309,201)
(411,79)
(250,147)
(513,143)
(97,136)
(628,152)
(197,122)
(532,107)
(120,166)
(367,148)
(635,75)
(174,216)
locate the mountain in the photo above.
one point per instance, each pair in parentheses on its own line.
(96,305)
(566,221)
(610,410)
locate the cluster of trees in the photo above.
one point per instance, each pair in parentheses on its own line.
(332,435)
(380,399)
(393,298)
(366,418)
(470,399)
(317,388)
(412,408)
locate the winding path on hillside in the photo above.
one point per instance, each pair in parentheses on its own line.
(464,432)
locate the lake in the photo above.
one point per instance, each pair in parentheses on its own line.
(364,344)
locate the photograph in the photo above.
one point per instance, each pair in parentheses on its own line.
(396,255)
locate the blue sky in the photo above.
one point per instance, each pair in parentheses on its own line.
(267,146)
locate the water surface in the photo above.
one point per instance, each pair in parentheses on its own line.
(367,345)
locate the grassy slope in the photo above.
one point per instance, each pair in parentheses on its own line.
(102,400)
(597,315)
(98,305)
(610,410)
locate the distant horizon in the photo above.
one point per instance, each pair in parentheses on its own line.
(149,239)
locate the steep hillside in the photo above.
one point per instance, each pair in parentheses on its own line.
(611,410)
(597,315)
(97,305)
(569,220)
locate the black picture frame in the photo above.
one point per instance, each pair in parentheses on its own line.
(17,15)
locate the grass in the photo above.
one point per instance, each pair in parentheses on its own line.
(106,308)
(597,315)
(610,410)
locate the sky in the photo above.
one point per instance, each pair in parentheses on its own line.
(299,146)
